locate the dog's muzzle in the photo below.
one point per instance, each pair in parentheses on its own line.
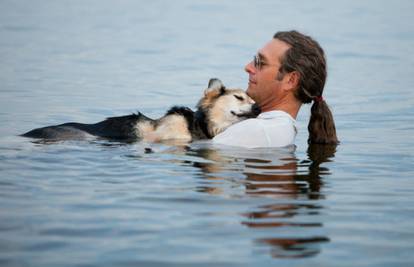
(253,113)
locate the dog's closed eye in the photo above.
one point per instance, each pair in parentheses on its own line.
(239,97)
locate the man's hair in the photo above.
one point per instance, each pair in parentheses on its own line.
(306,57)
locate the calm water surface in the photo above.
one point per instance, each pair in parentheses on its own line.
(101,203)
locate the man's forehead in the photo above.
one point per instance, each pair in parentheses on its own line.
(274,49)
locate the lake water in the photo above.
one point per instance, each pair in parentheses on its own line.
(101,203)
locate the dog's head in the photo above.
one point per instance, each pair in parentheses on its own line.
(224,107)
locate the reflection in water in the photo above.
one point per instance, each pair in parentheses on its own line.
(295,186)
(294,247)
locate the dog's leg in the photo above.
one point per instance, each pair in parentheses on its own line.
(124,127)
(60,132)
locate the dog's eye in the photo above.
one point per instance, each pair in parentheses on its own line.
(239,97)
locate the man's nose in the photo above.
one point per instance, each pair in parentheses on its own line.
(249,68)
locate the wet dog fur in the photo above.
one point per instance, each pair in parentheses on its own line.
(217,109)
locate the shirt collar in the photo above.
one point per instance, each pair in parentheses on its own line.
(275,114)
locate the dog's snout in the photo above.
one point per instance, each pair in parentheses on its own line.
(256,109)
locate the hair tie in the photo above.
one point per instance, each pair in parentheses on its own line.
(318,99)
(314,98)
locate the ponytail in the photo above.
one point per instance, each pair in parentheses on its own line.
(306,57)
(321,125)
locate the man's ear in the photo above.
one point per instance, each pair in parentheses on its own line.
(215,88)
(291,80)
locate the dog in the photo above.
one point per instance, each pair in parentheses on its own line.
(217,109)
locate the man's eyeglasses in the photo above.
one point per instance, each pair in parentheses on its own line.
(258,63)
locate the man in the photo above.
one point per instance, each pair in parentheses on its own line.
(288,71)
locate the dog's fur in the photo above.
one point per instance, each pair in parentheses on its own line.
(218,109)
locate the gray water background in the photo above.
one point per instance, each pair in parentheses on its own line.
(101,203)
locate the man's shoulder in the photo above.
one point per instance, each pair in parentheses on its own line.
(249,124)
(267,130)
(249,127)
(265,121)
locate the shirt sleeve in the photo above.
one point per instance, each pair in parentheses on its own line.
(248,133)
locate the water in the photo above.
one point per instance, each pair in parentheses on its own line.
(100,203)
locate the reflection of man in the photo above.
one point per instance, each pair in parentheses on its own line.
(288,220)
(288,71)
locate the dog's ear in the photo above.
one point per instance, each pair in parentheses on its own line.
(215,83)
(215,88)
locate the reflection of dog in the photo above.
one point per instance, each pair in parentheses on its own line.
(218,109)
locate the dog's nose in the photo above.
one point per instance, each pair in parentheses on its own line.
(256,109)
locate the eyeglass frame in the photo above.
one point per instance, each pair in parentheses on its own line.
(259,64)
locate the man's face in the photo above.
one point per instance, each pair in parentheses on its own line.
(264,87)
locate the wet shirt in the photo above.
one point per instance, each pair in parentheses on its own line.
(270,129)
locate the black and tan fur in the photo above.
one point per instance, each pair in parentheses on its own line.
(216,110)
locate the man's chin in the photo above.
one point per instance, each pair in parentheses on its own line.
(252,95)
(249,90)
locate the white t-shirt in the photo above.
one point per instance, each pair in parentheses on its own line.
(270,129)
